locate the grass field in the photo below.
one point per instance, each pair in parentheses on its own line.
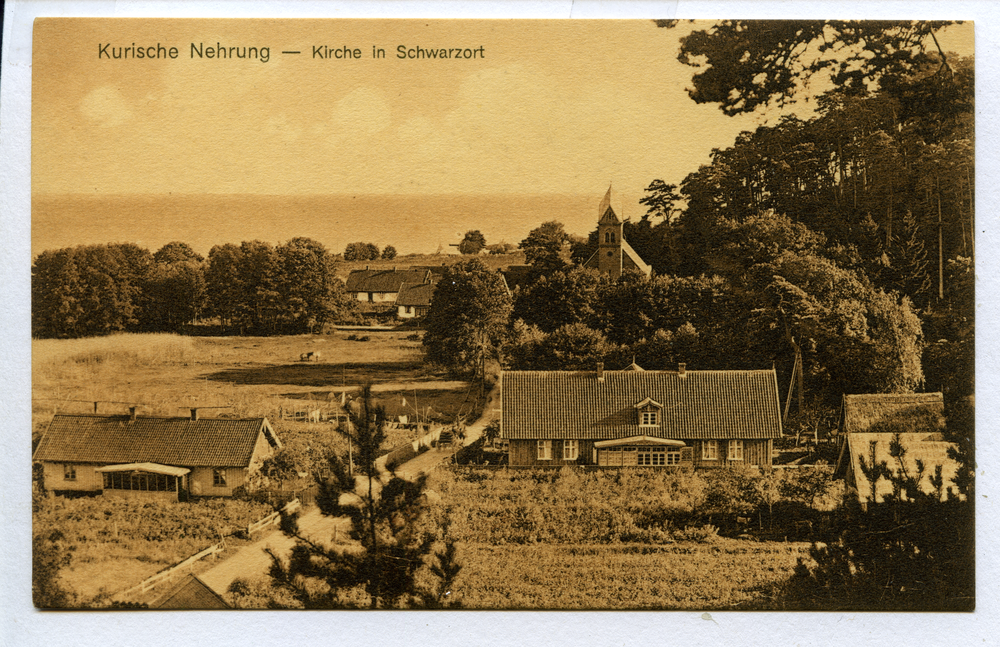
(728,574)
(117,543)
(165,374)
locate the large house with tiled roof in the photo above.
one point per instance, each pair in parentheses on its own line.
(152,457)
(640,418)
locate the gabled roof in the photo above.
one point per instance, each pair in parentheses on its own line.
(632,255)
(385,280)
(891,412)
(115,439)
(702,404)
(411,294)
(191,593)
(928,448)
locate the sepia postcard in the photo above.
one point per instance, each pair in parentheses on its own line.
(671,315)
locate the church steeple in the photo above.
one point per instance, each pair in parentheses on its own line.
(609,236)
(614,254)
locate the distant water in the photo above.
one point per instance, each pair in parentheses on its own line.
(411,224)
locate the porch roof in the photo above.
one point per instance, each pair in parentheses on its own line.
(639,440)
(151,468)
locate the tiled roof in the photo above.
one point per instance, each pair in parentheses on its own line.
(703,404)
(922,410)
(207,442)
(384,280)
(928,448)
(191,593)
(411,294)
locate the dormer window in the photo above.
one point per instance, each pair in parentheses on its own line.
(649,413)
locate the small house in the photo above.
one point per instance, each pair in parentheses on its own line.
(152,457)
(414,300)
(640,418)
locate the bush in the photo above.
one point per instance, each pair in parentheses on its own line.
(702,534)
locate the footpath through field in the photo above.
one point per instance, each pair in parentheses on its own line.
(424,463)
(252,560)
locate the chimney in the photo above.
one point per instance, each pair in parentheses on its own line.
(600,371)
(681,370)
(194,413)
(131,413)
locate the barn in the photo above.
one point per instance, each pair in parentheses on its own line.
(151,457)
(638,418)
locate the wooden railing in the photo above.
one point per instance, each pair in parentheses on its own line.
(147,584)
(274,517)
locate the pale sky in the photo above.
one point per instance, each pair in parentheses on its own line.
(551,107)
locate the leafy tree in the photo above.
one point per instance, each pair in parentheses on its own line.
(388,253)
(175,294)
(361,252)
(176,252)
(56,310)
(661,201)
(388,520)
(472,243)
(559,299)
(223,283)
(259,280)
(573,347)
(468,321)
(543,247)
(751,63)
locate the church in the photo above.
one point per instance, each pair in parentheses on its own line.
(614,255)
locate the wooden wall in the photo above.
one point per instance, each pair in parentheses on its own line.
(525,453)
(755,452)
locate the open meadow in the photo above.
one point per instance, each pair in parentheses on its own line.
(165,374)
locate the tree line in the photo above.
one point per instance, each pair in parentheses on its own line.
(251,288)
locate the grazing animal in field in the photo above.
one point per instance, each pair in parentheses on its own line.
(311,356)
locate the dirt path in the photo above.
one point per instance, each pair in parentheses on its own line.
(253,561)
(430,459)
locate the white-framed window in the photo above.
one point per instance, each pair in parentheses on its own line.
(735,450)
(544,450)
(69,472)
(571,450)
(709,450)
(649,417)
(219,477)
